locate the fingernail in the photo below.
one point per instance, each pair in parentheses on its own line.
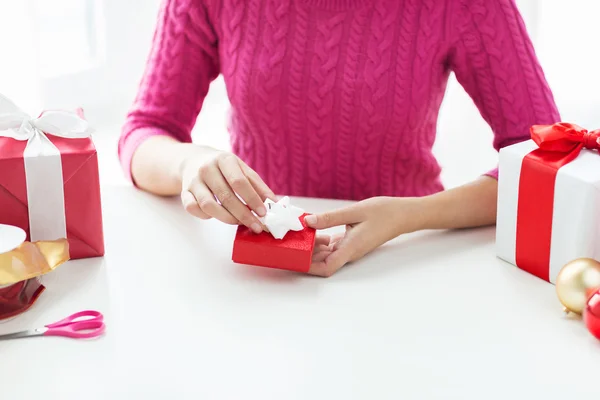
(311,220)
(256,228)
(261,211)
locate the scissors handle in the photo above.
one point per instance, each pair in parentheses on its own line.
(78,330)
(82,325)
(89,315)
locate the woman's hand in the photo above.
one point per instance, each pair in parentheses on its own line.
(369,224)
(216,175)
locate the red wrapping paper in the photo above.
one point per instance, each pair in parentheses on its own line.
(83,211)
(293,252)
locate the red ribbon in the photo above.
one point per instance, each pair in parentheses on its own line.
(559,144)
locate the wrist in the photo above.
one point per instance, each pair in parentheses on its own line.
(430,209)
(412,214)
(470,205)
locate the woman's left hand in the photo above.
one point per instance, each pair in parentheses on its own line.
(369,224)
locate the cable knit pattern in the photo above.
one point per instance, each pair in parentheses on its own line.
(374,118)
(487,61)
(339,98)
(252,142)
(393,162)
(426,86)
(348,119)
(268,91)
(297,87)
(319,110)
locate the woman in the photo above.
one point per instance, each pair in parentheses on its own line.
(331,98)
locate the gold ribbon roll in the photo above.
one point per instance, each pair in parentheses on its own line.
(32,259)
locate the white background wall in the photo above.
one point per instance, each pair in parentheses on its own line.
(564,34)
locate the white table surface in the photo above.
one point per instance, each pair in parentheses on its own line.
(433,315)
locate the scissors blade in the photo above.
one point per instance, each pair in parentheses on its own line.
(24,334)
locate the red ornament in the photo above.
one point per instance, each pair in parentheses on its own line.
(293,252)
(591,314)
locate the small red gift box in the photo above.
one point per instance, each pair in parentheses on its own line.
(293,252)
(49,181)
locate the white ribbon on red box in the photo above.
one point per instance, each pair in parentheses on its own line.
(281,217)
(43,165)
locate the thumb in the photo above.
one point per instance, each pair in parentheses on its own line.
(343,216)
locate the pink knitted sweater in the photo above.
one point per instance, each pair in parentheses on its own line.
(339,98)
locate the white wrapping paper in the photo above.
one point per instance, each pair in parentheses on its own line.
(576,212)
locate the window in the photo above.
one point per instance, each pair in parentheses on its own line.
(69,35)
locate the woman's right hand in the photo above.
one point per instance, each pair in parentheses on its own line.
(216,175)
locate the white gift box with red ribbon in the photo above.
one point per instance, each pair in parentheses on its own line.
(549,200)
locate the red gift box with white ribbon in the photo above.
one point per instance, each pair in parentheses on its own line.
(549,199)
(49,180)
(288,244)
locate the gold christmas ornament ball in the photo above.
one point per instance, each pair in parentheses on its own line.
(576,281)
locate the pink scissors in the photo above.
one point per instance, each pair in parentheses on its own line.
(74,327)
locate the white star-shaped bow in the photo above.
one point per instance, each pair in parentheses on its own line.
(281,217)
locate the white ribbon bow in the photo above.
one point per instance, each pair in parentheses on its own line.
(282,217)
(16,124)
(43,164)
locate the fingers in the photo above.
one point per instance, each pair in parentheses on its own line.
(199,201)
(331,263)
(257,183)
(227,189)
(336,240)
(339,253)
(322,240)
(343,248)
(344,216)
(321,253)
(228,199)
(191,205)
(239,183)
